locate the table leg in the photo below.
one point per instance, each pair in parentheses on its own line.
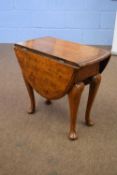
(94,85)
(74,100)
(48,102)
(32,98)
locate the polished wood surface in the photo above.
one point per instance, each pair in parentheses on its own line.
(74,100)
(70,52)
(31,109)
(94,85)
(55,68)
(48,77)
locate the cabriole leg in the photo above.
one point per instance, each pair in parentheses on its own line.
(94,85)
(32,98)
(48,102)
(74,100)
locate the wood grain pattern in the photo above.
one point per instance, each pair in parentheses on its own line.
(70,52)
(48,77)
(55,67)
(88,71)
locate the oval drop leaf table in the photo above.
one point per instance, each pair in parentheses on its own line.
(54,68)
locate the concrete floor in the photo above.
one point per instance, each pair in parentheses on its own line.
(38,145)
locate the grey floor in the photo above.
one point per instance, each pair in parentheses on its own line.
(38,145)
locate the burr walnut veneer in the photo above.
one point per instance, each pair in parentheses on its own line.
(54,68)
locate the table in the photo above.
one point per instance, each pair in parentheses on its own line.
(54,67)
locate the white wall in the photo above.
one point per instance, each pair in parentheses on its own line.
(114,46)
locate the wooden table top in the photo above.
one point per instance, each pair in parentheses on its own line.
(70,52)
